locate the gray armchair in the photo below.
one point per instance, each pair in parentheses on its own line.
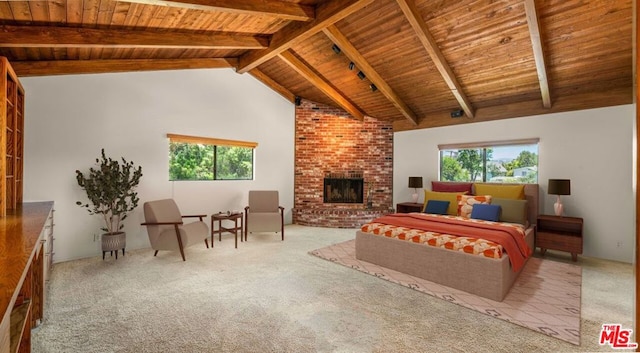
(264,213)
(166,229)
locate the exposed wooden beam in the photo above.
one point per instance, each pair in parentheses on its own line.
(285,10)
(52,37)
(327,13)
(412,14)
(354,55)
(68,67)
(304,70)
(269,82)
(581,101)
(538,52)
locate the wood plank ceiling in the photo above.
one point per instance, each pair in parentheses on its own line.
(490,59)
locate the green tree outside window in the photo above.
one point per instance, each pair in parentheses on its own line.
(515,164)
(197,161)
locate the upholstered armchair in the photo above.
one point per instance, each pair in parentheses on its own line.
(166,229)
(264,213)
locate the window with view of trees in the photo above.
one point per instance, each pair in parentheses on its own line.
(499,162)
(199,158)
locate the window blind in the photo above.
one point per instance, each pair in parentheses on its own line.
(471,145)
(211,141)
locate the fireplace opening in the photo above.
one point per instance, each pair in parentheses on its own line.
(343,189)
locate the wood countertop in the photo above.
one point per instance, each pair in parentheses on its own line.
(20,233)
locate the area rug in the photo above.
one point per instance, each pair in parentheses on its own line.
(545,298)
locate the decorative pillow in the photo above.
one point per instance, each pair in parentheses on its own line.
(443,196)
(500,190)
(448,186)
(513,211)
(466,202)
(436,207)
(486,212)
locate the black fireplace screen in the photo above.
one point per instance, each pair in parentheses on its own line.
(343,190)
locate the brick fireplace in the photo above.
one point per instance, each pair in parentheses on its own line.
(331,145)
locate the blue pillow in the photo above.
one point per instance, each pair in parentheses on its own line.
(436,207)
(486,212)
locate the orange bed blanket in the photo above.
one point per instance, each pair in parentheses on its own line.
(509,237)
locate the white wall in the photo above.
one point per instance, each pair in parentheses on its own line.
(593,148)
(70,118)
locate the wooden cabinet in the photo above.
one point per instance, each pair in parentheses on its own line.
(559,233)
(407,207)
(23,247)
(11,138)
(48,238)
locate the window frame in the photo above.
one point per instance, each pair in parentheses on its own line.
(215,142)
(484,146)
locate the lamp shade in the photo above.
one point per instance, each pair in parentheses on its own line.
(559,187)
(415,182)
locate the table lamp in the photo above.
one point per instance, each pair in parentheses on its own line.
(415,183)
(559,187)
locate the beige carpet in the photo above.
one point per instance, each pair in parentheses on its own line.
(545,297)
(272,296)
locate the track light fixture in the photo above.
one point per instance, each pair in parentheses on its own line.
(457,113)
(373,87)
(352,65)
(361,75)
(336,49)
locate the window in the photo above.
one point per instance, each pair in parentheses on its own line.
(201,158)
(497,162)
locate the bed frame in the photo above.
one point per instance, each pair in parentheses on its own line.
(479,275)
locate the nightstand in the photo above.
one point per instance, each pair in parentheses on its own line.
(407,207)
(559,233)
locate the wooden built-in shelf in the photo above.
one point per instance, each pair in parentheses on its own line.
(26,247)
(11,147)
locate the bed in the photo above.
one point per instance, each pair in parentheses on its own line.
(486,272)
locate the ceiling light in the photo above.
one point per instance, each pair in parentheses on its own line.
(352,65)
(336,49)
(361,75)
(373,87)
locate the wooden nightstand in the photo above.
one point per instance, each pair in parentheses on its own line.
(559,233)
(406,207)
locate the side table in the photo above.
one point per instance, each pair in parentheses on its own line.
(559,233)
(407,207)
(219,217)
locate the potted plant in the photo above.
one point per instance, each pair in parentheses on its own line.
(110,188)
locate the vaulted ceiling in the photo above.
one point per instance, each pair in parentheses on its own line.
(412,62)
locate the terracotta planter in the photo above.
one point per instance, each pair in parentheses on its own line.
(113,242)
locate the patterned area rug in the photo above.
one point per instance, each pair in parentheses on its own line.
(545,298)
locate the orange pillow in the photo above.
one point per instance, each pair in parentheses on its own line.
(466,202)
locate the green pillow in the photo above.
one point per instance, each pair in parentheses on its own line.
(513,211)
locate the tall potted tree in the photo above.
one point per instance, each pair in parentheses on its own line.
(110,188)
